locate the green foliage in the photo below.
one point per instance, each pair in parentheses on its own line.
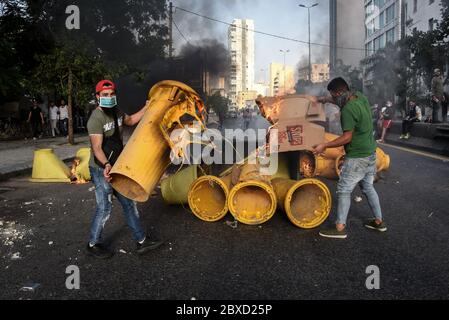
(218,103)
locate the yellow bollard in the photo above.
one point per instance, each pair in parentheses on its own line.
(47,167)
(307,203)
(312,166)
(252,201)
(175,189)
(82,170)
(146,155)
(208,197)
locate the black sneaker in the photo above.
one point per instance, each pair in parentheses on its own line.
(99,251)
(371,224)
(334,233)
(147,245)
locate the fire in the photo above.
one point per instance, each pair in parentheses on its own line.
(307,164)
(75,177)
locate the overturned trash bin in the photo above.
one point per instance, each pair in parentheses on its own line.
(146,155)
(208,197)
(307,202)
(175,188)
(47,167)
(252,201)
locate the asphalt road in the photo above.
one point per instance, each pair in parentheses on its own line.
(215,261)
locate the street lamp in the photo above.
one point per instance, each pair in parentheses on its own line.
(310,62)
(285,54)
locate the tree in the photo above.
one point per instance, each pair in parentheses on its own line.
(219,104)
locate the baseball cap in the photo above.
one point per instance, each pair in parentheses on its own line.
(103,85)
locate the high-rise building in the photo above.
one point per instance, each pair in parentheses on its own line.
(421,15)
(281,82)
(241,49)
(347,34)
(320,73)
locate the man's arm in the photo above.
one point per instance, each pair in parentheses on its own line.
(135,118)
(339,142)
(29,117)
(42,118)
(96,141)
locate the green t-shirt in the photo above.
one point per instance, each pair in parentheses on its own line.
(356,116)
(101,124)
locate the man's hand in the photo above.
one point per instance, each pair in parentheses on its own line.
(107,170)
(319,149)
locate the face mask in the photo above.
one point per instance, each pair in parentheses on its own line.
(342,99)
(108,102)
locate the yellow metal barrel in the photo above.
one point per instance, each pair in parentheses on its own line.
(208,197)
(146,155)
(47,167)
(252,201)
(312,166)
(307,203)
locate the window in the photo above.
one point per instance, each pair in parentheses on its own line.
(369,9)
(390,14)
(382,20)
(379,3)
(379,43)
(369,48)
(390,36)
(415,6)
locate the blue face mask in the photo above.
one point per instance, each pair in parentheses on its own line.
(108,102)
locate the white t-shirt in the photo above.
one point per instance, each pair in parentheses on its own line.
(63,112)
(54,113)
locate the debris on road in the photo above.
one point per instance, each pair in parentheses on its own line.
(16,256)
(30,287)
(358,199)
(91,189)
(431,215)
(232,224)
(122,251)
(50,243)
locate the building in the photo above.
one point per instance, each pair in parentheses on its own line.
(262,88)
(241,50)
(246,98)
(347,34)
(281,82)
(421,15)
(320,73)
(384,24)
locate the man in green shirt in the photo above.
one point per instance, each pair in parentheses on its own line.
(360,161)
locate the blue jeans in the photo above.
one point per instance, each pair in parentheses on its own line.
(103,195)
(357,171)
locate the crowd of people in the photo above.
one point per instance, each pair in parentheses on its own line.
(384,115)
(56,121)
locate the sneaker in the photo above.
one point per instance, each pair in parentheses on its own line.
(371,224)
(380,141)
(334,233)
(407,136)
(99,251)
(147,245)
(402,137)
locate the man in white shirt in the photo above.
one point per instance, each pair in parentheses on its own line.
(64,117)
(54,118)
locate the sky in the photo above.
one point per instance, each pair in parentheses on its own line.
(280,17)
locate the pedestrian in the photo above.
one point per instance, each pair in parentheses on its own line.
(54,118)
(412,114)
(36,118)
(359,166)
(246,118)
(104,127)
(64,117)
(386,116)
(446,98)
(437,96)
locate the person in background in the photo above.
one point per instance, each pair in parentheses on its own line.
(386,116)
(36,118)
(437,95)
(64,117)
(246,118)
(54,118)
(412,114)
(446,98)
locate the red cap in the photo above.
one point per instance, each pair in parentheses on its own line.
(104,85)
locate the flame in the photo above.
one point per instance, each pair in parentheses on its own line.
(75,177)
(307,165)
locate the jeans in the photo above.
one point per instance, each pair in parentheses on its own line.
(357,171)
(407,125)
(64,126)
(103,195)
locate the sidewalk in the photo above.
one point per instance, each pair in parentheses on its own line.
(16,157)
